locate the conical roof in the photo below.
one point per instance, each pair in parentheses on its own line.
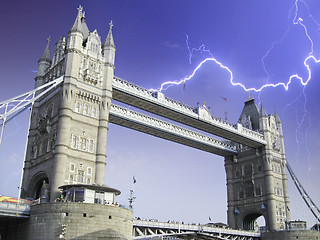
(46,53)
(109,39)
(251,109)
(276,115)
(79,24)
(263,112)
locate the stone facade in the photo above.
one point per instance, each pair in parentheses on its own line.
(256,178)
(68,131)
(71,220)
(291,235)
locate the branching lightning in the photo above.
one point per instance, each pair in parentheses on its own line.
(296,21)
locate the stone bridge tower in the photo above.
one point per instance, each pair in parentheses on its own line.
(256,178)
(68,130)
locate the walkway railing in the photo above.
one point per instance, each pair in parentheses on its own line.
(14,209)
(166,127)
(150,227)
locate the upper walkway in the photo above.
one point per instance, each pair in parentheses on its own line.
(159,128)
(157,103)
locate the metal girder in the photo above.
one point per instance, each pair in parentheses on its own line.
(13,106)
(144,230)
(311,205)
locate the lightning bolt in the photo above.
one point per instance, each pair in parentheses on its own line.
(202,48)
(310,58)
(296,21)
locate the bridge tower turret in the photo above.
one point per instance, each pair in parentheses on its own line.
(68,133)
(256,178)
(43,64)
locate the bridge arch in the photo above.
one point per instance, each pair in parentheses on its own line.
(37,183)
(249,221)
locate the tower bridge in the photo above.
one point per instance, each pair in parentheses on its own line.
(67,141)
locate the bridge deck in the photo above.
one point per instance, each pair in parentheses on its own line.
(157,103)
(147,229)
(14,210)
(153,126)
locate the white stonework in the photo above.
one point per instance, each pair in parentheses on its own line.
(68,132)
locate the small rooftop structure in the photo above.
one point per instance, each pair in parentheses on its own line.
(298,225)
(99,194)
(217,225)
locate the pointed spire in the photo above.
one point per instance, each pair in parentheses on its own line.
(46,53)
(109,40)
(263,112)
(276,115)
(76,27)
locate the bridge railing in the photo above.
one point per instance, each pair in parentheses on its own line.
(165,126)
(14,209)
(193,228)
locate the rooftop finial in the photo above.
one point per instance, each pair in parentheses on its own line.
(48,39)
(111,25)
(80,8)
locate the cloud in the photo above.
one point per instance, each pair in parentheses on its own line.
(171,45)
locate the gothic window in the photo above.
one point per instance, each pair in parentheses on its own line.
(72,167)
(89,171)
(94,112)
(44,145)
(91,146)
(74,141)
(241,194)
(248,171)
(80,176)
(84,64)
(77,107)
(249,191)
(83,143)
(258,191)
(85,109)
(49,111)
(71,179)
(259,168)
(73,41)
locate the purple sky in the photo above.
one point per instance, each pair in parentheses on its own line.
(173,181)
